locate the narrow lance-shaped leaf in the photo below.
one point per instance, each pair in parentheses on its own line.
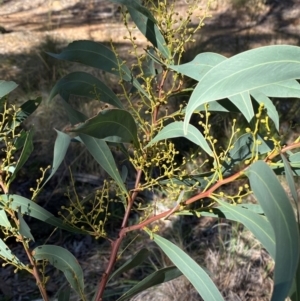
(28,108)
(102,154)
(64,294)
(97,55)
(295,157)
(197,69)
(74,116)
(161,276)
(200,65)
(124,173)
(60,149)
(285,89)
(242,150)
(146,23)
(149,29)
(86,85)
(23,227)
(245,72)
(190,269)
(98,148)
(136,260)
(6,253)
(149,68)
(175,129)
(32,209)
(26,152)
(137,6)
(4,222)
(279,212)
(247,214)
(291,183)
(225,213)
(219,106)
(6,87)
(151,54)
(271,110)
(112,125)
(63,260)
(244,104)
(295,296)
(295,291)
(25,110)
(20,140)
(256,223)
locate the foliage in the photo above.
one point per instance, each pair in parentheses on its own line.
(139,123)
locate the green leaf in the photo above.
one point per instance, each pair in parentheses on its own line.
(243,146)
(272,112)
(23,227)
(102,154)
(4,222)
(295,157)
(6,87)
(136,260)
(32,209)
(146,23)
(158,277)
(97,55)
(112,125)
(198,180)
(74,116)
(247,71)
(26,152)
(242,150)
(190,269)
(28,108)
(175,129)
(20,141)
(256,223)
(197,69)
(290,180)
(147,26)
(247,214)
(64,294)
(124,173)
(285,89)
(86,85)
(25,110)
(151,54)
(279,212)
(244,104)
(63,260)
(200,65)
(295,290)
(278,168)
(222,212)
(253,207)
(98,148)
(149,68)
(61,145)
(222,105)
(6,253)
(137,6)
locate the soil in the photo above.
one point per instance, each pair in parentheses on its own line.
(235,26)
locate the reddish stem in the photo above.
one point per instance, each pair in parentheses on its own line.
(115,245)
(160,95)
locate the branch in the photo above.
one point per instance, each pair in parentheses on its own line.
(116,244)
